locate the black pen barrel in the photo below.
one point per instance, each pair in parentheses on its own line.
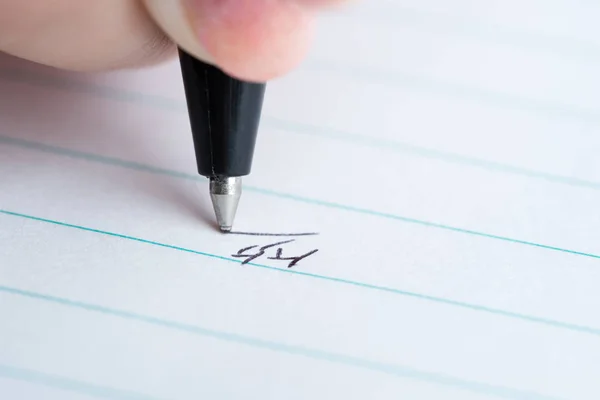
(224,114)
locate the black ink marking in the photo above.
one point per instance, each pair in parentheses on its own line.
(261,251)
(245,249)
(272,234)
(294,260)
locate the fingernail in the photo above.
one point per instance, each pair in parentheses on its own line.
(255,40)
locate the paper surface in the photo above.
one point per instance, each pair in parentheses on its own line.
(445,152)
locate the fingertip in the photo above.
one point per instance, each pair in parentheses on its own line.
(255,40)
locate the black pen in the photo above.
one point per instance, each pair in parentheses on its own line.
(224,115)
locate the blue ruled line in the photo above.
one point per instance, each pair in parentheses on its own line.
(473,307)
(68,384)
(407,148)
(173,105)
(471,94)
(315,354)
(163,171)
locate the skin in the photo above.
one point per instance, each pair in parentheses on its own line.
(252,39)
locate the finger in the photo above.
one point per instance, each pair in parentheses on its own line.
(255,40)
(82,35)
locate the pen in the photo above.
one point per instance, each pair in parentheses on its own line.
(224,114)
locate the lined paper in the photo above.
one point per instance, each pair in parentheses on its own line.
(444,152)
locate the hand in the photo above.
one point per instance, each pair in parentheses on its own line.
(250,39)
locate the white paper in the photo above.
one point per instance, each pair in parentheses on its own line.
(446,153)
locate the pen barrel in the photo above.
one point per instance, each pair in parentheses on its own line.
(224,114)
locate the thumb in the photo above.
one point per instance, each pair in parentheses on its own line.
(255,40)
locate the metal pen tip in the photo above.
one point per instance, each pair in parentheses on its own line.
(225,193)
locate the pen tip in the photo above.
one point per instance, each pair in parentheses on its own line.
(225,193)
